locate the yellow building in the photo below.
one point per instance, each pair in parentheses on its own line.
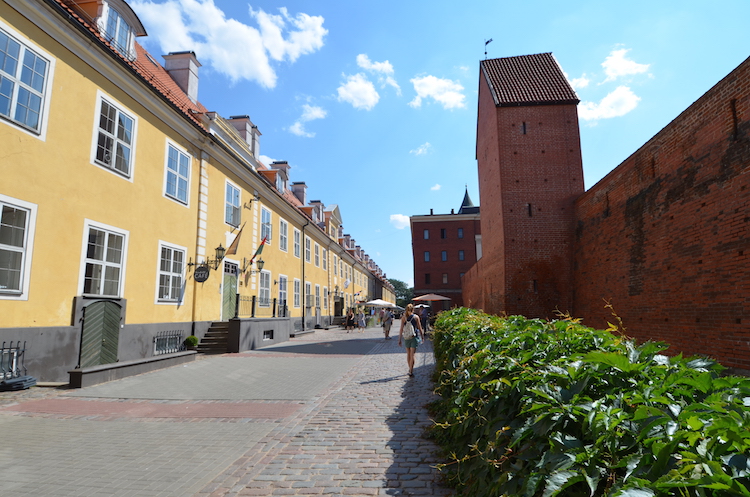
(132,216)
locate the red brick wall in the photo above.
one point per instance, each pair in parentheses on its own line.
(529,161)
(436,267)
(665,236)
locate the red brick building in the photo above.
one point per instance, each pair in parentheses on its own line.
(444,247)
(530,173)
(664,237)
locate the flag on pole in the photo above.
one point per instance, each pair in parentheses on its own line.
(232,249)
(260,249)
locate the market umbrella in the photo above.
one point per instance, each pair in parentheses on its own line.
(380,303)
(431,297)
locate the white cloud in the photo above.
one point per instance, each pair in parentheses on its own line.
(230,47)
(266,159)
(578,83)
(309,113)
(383,70)
(422,149)
(444,91)
(436,187)
(399,221)
(617,65)
(358,91)
(618,103)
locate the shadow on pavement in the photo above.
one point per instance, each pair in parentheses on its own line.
(358,346)
(415,456)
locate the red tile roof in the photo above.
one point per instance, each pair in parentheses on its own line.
(527,80)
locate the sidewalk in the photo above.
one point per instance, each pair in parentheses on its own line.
(328,413)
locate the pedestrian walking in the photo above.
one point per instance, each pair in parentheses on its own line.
(349,320)
(410,332)
(387,323)
(361,320)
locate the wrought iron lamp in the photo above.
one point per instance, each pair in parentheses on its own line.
(220,252)
(247,263)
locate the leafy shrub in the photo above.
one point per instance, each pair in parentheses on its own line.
(544,408)
(191,341)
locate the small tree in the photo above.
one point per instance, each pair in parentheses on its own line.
(404,294)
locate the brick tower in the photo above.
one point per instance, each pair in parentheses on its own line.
(530,173)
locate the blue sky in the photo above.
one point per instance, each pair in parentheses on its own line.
(373,104)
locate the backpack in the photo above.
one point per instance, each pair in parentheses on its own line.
(408,329)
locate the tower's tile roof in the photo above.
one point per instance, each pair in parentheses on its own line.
(527,80)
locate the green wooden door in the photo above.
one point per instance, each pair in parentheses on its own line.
(100,335)
(229,292)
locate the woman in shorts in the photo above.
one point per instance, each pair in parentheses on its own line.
(410,342)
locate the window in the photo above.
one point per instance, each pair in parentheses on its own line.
(445,278)
(460,232)
(114,142)
(118,32)
(308,244)
(23,83)
(308,294)
(266,230)
(104,262)
(283,235)
(335,264)
(264,297)
(444,255)
(460,255)
(325,297)
(317,255)
(296,243)
(17,220)
(443,233)
(427,278)
(282,291)
(317,296)
(296,292)
(178,174)
(232,205)
(427,256)
(325,260)
(171,265)
(426,234)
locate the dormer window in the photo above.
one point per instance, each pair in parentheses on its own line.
(119,32)
(280,182)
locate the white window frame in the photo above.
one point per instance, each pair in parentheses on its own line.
(169,172)
(308,294)
(297,247)
(317,296)
(283,235)
(264,289)
(170,274)
(325,297)
(325,258)
(266,228)
(317,254)
(297,291)
(125,47)
(283,290)
(308,249)
(39,131)
(229,203)
(27,250)
(335,264)
(121,110)
(85,260)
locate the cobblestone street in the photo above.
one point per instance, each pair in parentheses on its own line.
(328,413)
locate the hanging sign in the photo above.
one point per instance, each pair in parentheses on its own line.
(201,273)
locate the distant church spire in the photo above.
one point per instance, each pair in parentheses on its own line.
(467,206)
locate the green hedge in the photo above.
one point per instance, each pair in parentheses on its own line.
(543,408)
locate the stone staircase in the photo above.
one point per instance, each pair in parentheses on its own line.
(215,340)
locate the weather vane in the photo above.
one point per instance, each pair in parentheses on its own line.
(485,47)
